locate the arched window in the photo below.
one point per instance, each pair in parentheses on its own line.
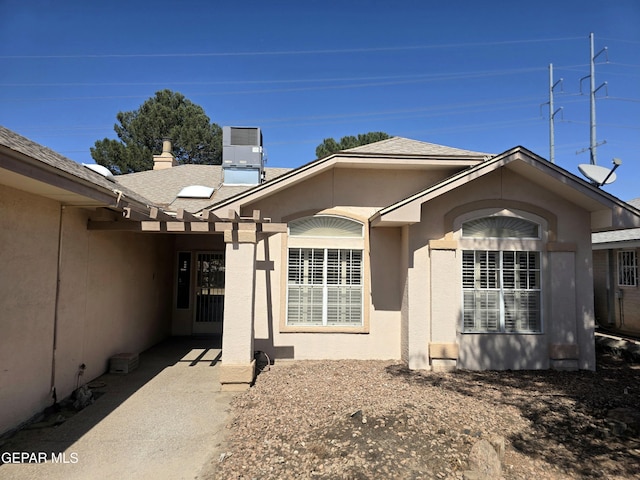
(325,226)
(500,227)
(501,284)
(325,272)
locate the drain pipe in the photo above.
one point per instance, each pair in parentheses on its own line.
(55,310)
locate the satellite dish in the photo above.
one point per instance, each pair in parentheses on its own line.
(600,175)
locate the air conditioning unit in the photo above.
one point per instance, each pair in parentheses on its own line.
(242,147)
(242,155)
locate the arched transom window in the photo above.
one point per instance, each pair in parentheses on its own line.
(500,227)
(325,272)
(325,226)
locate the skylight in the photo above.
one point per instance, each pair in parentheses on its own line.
(196,191)
(104,171)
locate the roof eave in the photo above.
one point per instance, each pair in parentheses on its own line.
(614,214)
(23,164)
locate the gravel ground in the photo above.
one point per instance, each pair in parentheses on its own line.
(375,420)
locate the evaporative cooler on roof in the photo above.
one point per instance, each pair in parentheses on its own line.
(241,147)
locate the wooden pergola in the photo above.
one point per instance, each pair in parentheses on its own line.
(155,219)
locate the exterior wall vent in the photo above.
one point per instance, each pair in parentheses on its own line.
(242,155)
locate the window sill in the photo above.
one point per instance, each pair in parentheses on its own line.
(322,329)
(499,333)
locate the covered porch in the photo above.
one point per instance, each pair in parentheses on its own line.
(214,277)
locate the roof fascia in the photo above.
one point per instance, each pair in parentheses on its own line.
(29,167)
(616,245)
(408,211)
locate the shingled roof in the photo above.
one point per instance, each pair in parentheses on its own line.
(47,157)
(407,146)
(163,186)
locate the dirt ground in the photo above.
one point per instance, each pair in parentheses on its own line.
(376,419)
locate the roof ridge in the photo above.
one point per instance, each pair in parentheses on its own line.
(397,145)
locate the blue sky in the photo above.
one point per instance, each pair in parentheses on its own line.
(467,74)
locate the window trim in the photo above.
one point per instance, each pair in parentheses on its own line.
(341,243)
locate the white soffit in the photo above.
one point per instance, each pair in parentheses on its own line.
(196,191)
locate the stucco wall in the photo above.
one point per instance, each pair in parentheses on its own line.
(568,316)
(420,282)
(601,287)
(347,187)
(28,252)
(623,309)
(113,294)
(355,193)
(383,338)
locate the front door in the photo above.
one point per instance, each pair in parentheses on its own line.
(209,293)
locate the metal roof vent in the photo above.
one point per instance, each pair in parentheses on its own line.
(196,191)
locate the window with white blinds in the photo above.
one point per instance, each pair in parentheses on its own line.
(324,287)
(501,291)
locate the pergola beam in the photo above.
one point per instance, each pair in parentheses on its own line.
(184,216)
(158,214)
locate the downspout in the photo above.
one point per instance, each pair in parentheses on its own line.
(55,311)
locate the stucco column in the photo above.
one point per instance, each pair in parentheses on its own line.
(238,365)
(417,311)
(445,305)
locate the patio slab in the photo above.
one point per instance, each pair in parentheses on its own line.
(164,420)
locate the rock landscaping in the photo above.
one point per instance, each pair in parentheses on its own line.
(374,419)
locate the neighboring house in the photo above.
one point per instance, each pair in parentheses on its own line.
(615,278)
(441,257)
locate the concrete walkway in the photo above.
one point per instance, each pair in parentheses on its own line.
(164,420)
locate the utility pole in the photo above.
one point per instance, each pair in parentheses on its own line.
(552,115)
(592,100)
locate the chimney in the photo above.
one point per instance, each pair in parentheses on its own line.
(166,159)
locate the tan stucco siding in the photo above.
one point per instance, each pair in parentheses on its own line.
(129,292)
(416,291)
(355,193)
(601,287)
(404,308)
(382,293)
(347,187)
(114,296)
(382,341)
(567,292)
(28,252)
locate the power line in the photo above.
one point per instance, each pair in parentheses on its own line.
(620,40)
(613,125)
(400,114)
(289,52)
(420,77)
(267,91)
(634,100)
